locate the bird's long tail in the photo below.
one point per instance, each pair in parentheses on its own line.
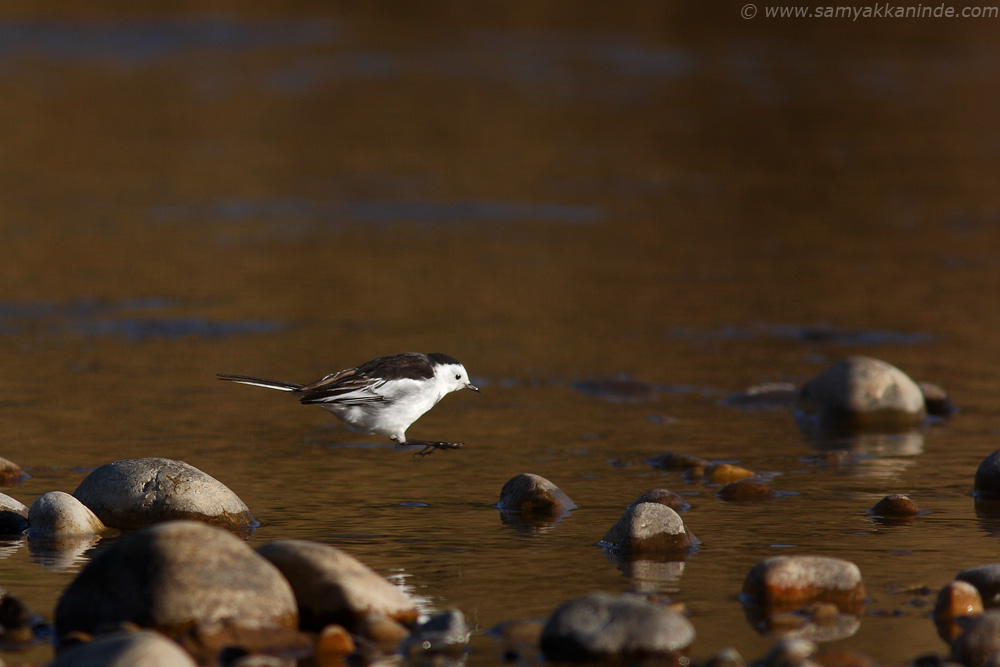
(261,382)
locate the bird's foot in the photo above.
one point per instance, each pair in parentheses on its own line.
(429,447)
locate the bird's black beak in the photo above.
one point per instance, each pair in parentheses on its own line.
(469,385)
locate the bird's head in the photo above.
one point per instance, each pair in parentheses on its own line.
(451,374)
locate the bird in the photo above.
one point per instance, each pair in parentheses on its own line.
(383,396)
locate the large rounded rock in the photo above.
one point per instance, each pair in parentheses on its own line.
(979,644)
(126,649)
(534,495)
(860,393)
(138,492)
(602,626)
(986,487)
(56,515)
(13,516)
(649,528)
(789,582)
(331,586)
(175,576)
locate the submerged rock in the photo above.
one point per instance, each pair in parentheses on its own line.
(57,515)
(747,491)
(534,495)
(674,501)
(173,576)
(895,505)
(677,461)
(331,586)
(860,393)
(602,626)
(936,400)
(139,492)
(11,474)
(726,473)
(787,582)
(126,649)
(649,527)
(13,516)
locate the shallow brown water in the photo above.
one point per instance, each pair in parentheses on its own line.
(668,194)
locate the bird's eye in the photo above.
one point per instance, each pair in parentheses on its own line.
(458,376)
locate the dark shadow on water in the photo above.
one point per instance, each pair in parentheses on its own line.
(116,318)
(374,211)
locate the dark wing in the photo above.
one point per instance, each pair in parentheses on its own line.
(402,366)
(347,387)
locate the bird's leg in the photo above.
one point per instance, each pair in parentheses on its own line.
(429,447)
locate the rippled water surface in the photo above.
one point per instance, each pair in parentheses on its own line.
(615,216)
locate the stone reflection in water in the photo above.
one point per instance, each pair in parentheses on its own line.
(64,552)
(650,573)
(804,597)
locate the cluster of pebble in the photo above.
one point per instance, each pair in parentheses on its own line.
(182,588)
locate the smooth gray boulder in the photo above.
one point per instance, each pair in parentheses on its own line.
(601,626)
(126,649)
(649,528)
(331,586)
(860,393)
(56,515)
(174,576)
(135,493)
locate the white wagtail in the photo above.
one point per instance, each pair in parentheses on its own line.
(383,396)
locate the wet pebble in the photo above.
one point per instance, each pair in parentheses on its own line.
(677,461)
(139,492)
(332,586)
(788,582)
(56,515)
(602,626)
(747,491)
(956,600)
(726,473)
(979,644)
(126,649)
(173,576)
(333,645)
(860,393)
(11,474)
(13,516)
(674,501)
(936,400)
(648,528)
(895,505)
(533,495)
